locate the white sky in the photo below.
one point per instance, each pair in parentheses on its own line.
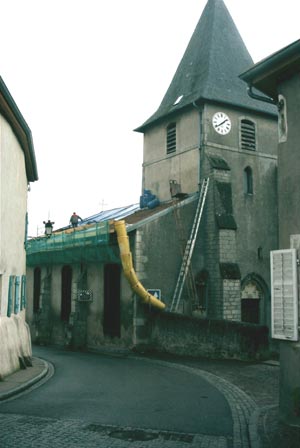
(85,73)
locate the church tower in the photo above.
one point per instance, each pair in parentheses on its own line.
(208,126)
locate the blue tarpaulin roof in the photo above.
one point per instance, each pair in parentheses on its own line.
(115,213)
(107,215)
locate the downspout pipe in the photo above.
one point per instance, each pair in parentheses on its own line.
(199,109)
(129,272)
(255,96)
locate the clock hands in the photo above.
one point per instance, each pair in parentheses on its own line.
(220,124)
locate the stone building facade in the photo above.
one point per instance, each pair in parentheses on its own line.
(206,127)
(278,77)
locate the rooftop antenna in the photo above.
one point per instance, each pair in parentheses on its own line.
(102,204)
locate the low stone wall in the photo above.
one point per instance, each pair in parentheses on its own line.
(183,335)
(15,344)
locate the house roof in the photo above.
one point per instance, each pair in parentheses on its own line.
(113,214)
(267,74)
(210,68)
(133,215)
(12,114)
(81,244)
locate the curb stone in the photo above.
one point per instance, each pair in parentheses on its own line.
(26,385)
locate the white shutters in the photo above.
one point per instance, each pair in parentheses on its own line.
(284,294)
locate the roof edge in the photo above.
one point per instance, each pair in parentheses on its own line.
(15,118)
(201,100)
(277,63)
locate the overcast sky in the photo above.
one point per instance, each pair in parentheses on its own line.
(85,73)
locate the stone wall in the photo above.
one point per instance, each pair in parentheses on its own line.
(184,335)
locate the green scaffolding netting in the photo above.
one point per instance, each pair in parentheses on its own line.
(82,244)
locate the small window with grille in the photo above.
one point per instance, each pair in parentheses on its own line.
(248,135)
(171,138)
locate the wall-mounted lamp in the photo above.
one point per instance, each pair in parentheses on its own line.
(48,228)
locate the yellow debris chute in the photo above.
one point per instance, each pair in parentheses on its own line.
(126,258)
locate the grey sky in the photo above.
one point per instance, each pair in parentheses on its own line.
(85,73)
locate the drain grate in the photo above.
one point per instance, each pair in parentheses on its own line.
(139,435)
(177,437)
(133,435)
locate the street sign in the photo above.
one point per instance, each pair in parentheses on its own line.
(155,292)
(85,295)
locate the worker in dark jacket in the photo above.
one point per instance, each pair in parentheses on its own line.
(74,219)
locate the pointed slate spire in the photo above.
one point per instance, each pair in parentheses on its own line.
(209,70)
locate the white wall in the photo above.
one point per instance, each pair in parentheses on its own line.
(13,206)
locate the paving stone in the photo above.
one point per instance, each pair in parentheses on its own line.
(36,432)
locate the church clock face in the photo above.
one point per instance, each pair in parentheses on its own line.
(221,123)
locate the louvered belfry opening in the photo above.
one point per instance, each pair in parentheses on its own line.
(248,135)
(171,138)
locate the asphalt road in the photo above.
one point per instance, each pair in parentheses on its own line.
(123,392)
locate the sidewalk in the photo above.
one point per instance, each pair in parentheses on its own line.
(260,381)
(272,433)
(23,379)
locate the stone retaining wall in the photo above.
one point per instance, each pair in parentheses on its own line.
(184,335)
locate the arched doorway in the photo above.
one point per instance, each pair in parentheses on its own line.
(253,295)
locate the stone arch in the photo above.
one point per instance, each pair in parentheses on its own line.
(254,292)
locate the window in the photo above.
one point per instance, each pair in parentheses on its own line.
(248,135)
(201,283)
(248,180)
(66,292)
(171,138)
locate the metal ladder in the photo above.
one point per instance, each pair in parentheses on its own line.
(189,248)
(190,282)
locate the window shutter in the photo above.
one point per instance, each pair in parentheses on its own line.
(17,295)
(10,296)
(284,300)
(248,135)
(23,292)
(171,138)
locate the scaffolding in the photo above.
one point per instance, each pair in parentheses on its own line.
(87,243)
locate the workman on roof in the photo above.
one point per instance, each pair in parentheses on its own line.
(74,219)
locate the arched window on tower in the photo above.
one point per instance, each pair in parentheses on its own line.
(201,283)
(248,135)
(171,138)
(248,180)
